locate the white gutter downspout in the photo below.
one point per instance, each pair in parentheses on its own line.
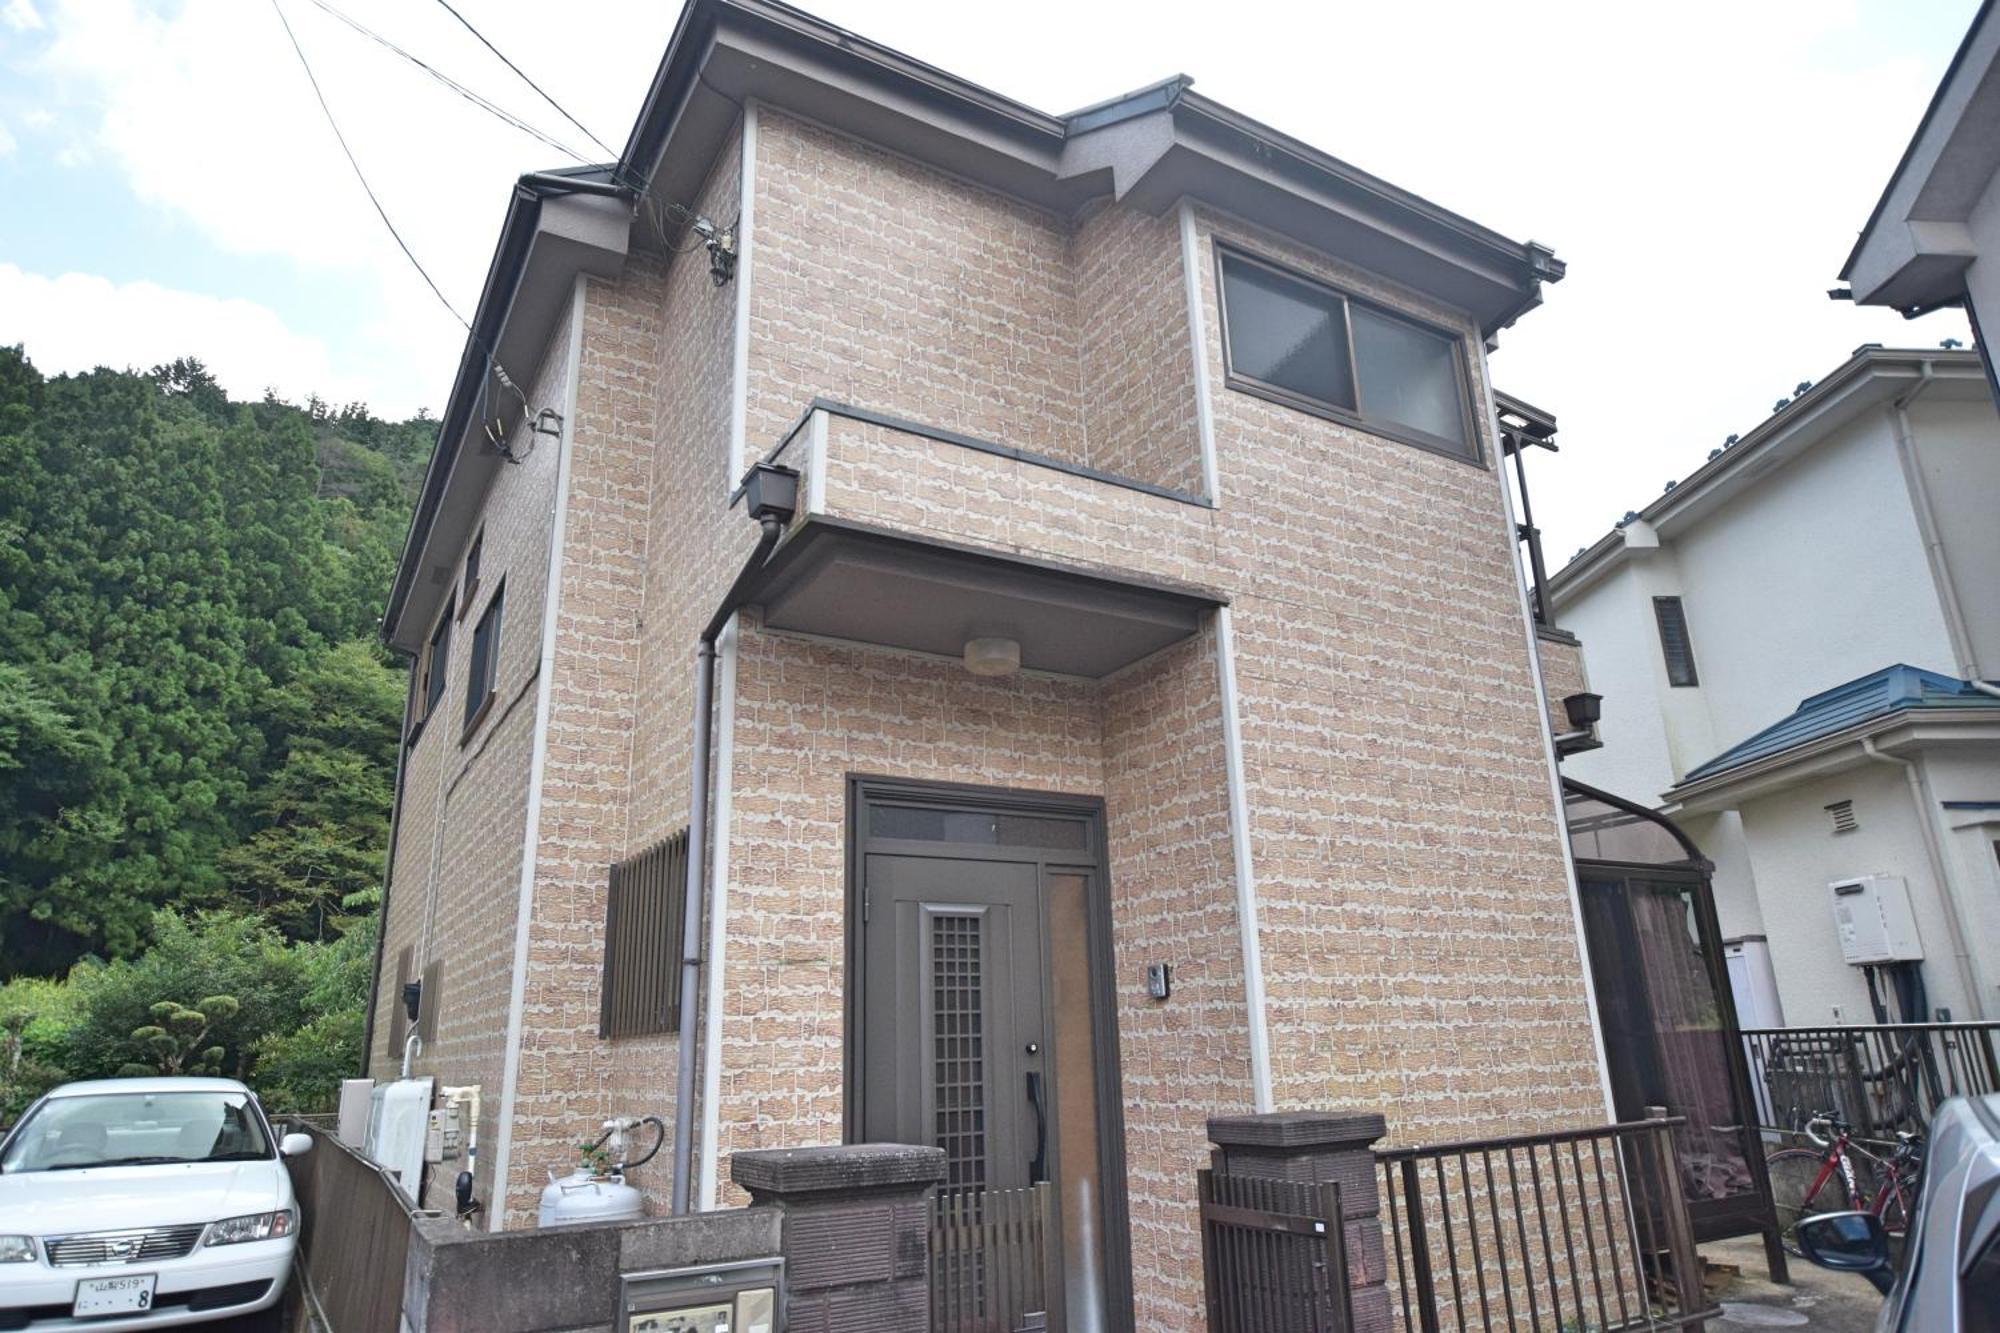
(718,916)
(1244,871)
(1954,911)
(1548,737)
(1927,528)
(517,996)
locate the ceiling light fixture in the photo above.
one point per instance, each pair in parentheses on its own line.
(992,656)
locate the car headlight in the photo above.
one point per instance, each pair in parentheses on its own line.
(252,1226)
(17,1250)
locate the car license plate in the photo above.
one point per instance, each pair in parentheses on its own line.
(113,1295)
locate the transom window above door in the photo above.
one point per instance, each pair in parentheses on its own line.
(1297,341)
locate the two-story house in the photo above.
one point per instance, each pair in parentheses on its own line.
(1794,645)
(1112,702)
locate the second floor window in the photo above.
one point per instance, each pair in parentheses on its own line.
(1305,344)
(483,666)
(1675,645)
(437,656)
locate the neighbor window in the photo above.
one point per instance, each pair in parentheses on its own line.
(643,915)
(437,654)
(1674,642)
(481,667)
(1300,342)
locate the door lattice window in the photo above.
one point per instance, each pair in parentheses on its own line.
(959,1048)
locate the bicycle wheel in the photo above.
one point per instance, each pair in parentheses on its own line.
(1793,1171)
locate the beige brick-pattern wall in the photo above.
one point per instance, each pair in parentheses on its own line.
(1562,676)
(1419,948)
(453,890)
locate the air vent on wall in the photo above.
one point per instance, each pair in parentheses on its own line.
(1843,816)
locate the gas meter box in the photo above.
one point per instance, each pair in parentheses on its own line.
(744,1297)
(1872,916)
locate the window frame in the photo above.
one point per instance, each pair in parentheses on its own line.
(478,702)
(648,889)
(469,580)
(1472,452)
(429,669)
(1693,680)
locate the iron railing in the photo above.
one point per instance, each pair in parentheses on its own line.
(1880,1078)
(1274,1255)
(990,1259)
(356,1237)
(1586,1229)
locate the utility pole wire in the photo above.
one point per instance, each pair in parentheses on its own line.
(360,175)
(484,104)
(606,148)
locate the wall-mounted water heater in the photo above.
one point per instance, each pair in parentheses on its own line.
(1872,917)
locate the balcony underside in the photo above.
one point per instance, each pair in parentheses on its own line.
(843,581)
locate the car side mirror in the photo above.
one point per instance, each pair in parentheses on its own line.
(1849,1243)
(295,1145)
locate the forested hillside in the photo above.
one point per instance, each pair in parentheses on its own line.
(198,728)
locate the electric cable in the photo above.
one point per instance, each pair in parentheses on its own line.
(467,23)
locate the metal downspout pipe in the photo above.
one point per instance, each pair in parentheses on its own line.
(696,896)
(1954,915)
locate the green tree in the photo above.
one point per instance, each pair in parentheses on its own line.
(175,1039)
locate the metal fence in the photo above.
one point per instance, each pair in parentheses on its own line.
(1274,1255)
(990,1260)
(1879,1078)
(356,1237)
(1580,1230)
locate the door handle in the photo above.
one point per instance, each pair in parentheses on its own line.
(1038,1165)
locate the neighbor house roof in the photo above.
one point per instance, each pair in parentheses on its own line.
(1870,378)
(1147,149)
(1844,708)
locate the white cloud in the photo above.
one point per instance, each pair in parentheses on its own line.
(79,321)
(20,15)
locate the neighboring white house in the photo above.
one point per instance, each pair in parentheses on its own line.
(1741,629)
(1934,237)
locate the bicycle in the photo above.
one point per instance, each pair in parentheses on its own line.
(1825,1179)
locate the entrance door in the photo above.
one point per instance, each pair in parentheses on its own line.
(957,1034)
(981,1022)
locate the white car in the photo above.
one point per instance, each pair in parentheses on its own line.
(142,1203)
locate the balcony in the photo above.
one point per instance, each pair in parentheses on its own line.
(922,539)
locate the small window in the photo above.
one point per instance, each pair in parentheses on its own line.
(643,940)
(471,582)
(1299,342)
(484,662)
(1674,642)
(437,656)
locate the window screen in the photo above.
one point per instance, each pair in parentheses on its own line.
(1296,340)
(643,938)
(1674,643)
(485,657)
(436,656)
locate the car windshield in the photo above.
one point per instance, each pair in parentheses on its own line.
(137,1129)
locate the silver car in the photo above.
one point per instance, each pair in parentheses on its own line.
(1950,1280)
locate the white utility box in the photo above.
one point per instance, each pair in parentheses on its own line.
(1872,916)
(356,1095)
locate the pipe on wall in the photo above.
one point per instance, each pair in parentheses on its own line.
(1954,911)
(696,895)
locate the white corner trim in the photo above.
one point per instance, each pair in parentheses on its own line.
(739,382)
(1506,498)
(816,464)
(718,915)
(1198,348)
(1246,878)
(517,995)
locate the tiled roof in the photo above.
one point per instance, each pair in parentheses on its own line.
(1891,690)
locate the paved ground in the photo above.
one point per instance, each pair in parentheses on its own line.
(1818,1300)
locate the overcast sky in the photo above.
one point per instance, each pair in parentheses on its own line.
(171,188)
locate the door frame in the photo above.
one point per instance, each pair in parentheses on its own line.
(864,790)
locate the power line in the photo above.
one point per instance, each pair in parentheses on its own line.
(362,176)
(467,23)
(468,94)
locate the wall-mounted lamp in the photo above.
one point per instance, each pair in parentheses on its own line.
(721,249)
(1583,709)
(993,656)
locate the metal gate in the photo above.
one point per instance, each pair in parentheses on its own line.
(1274,1252)
(990,1259)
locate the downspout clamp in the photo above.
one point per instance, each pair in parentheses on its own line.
(772,495)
